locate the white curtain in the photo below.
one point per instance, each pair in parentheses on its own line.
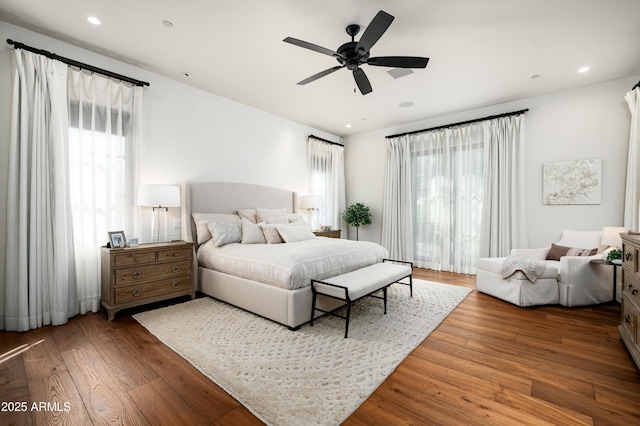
(102,139)
(40,271)
(503,208)
(447,170)
(326,165)
(464,188)
(397,202)
(632,194)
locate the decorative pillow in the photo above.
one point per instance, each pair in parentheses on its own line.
(295,219)
(556,252)
(252,233)
(271,215)
(294,233)
(580,239)
(249,214)
(225,232)
(271,234)
(201,220)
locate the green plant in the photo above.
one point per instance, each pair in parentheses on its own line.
(357,215)
(614,254)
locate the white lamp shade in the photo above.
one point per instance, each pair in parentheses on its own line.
(311,202)
(159,195)
(611,236)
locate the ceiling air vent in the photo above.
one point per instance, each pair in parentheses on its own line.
(400,72)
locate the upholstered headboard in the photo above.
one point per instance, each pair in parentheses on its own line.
(225,197)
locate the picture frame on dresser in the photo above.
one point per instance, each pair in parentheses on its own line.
(117,239)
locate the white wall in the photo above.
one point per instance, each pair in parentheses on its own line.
(589,122)
(188,135)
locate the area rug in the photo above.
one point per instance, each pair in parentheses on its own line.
(312,376)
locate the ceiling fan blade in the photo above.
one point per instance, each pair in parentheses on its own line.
(399,61)
(310,46)
(374,31)
(362,81)
(319,75)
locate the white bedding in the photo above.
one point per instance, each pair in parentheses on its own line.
(291,265)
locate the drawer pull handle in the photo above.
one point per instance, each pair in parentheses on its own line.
(634,291)
(136,275)
(175,284)
(175,268)
(136,292)
(627,256)
(175,254)
(627,318)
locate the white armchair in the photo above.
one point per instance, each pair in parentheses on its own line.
(569,281)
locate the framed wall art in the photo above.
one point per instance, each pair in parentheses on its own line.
(572,182)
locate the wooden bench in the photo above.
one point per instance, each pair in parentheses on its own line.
(362,282)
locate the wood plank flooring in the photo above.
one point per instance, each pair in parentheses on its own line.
(488,363)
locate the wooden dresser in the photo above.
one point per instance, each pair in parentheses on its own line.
(135,276)
(630,308)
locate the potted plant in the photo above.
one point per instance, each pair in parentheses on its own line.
(615,256)
(357,215)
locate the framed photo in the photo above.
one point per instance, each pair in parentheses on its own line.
(572,182)
(117,239)
(326,228)
(133,242)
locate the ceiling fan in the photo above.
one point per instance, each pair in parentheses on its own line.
(353,54)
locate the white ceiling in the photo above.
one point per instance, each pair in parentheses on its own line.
(482,52)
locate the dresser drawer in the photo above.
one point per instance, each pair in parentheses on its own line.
(130,293)
(628,319)
(134,258)
(630,258)
(136,274)
(631,287)
(175,254)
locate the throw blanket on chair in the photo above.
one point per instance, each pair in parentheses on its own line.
(530,267)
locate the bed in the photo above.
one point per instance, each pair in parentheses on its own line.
(270,280)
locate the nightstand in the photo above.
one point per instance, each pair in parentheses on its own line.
(135,276)
(335,233)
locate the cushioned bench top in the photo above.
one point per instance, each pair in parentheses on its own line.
(365,280)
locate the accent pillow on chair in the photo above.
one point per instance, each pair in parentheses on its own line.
(556,252)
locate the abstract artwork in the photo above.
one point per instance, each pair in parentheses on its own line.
(572,182)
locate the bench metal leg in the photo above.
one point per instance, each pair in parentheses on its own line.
(313,307)
(346,327)
(384,292)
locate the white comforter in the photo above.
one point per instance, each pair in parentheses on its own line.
(291,265)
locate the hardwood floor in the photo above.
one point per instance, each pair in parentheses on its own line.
(489,362)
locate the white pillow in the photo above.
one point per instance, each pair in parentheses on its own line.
(294,233)
(201,219)
(271,215)
(295,219)
(249,214)
(252,233)
(581,239)
(271,234)
(225,232)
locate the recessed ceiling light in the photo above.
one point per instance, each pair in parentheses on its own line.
(187,74)
(348,126)
(584,69)
(167,24)
(93,20)
(535,76)
(406,104)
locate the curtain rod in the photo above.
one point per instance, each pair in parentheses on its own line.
(77,64)
(490,117)
(326,141)
(637,85)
